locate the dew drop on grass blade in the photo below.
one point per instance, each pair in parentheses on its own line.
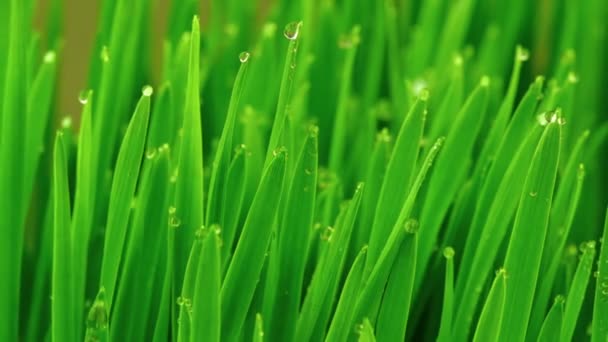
(578,288)
(449,172)
(529,230)
(552,326)
(372,284)
(62,305)
(321,292)
(445,328)
(600,304)
(223,153)
(258,332)
(98,325)
(295,232)
(244,270)
(490,320)
(366,331)
(123,188)
(398,177)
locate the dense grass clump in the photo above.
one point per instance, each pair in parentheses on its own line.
(376,170)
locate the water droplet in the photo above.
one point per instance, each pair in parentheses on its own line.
(458,60)
(411,226)
(327,233)
(561,121)
(546,118)
(572,77)
(347,41)
(292,30)
(66,122)
(50,57)
(485,81)
(244,56)
(523,54)
(420,89)
(448,252)
(533,193)
(147,90)
(172,210)
(307,171)
(180,301)
(151,153)
(105,54)
(83,97)
(502,272)
(596,274)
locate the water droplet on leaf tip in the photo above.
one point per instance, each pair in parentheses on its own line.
(83,97)
(66,122)
(49,57)
(147,90)
(244,56)
(523,54)
(533,193)
(105,54)
(151,153)
(448,252)
(292,30)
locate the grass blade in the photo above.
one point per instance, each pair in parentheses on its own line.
(340,325)
(296,228)
(244,270)
(206,301)
(574,301)
(366,332)
(445,329)
(258,333)
(524,254)
(552,327)
(63,311)
(488,326)
(98,325)
(600,306)
(123,189)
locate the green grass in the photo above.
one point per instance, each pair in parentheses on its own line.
(377,170)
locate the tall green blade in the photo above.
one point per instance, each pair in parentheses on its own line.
(490,320)
(245,267)
(552,326)
(525,247)
(12,206)
(63,310)
(447,312)
(123,188)
(576,295)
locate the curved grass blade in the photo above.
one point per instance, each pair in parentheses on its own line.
(63,311)
(552,326)
(600,307)
(321,292)
(12,201)
(184,301)
(516,133)
(494,229)
(373,184)
(135,299)
(292,241)
(340,328)
(244,270)
(578,288)
(206,301)
(443,185)
(529,230)
(123,189)
(397,179)
(488,326)
(98,326)
(221,163)
(372,285)
(395,308)
(447,312)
